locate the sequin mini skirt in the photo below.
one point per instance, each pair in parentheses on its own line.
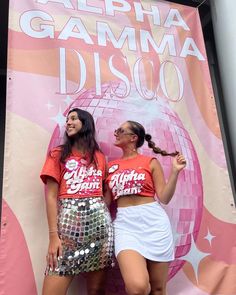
(86,232)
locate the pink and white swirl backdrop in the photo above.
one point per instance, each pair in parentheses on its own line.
(120,60)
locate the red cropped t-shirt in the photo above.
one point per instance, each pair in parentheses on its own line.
(75,177)
(130,177)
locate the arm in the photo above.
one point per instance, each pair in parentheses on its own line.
(165,191)
(55,247)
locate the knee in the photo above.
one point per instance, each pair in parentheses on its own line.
(138,288)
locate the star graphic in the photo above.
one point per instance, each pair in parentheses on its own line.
(60,119)
(68,100)
(194,257)
(49,105)
(209,236)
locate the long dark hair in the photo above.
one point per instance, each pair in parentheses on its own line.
(85,138)
(139,130)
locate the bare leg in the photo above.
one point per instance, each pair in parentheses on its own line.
(158,273)
(56,285)
(96,282)
(133,268)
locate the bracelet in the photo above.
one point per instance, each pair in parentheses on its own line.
(53,231)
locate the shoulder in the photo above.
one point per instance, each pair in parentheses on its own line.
(149,161)
(113,162)
(155,165)
(99,153)
(100,157)
(55,152)
(146,159)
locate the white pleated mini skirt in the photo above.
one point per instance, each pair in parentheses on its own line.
(146,229)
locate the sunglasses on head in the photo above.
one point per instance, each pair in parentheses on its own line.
(121,131)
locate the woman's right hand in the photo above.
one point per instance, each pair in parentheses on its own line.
(54,251)
(178,163)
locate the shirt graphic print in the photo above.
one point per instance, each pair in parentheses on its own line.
(81,178)
(126,182)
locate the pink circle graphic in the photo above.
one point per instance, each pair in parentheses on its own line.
(168,132)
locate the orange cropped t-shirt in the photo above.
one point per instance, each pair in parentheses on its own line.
(130,177)
(75,177)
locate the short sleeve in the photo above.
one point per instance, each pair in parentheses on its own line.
(52,166)
(102,163)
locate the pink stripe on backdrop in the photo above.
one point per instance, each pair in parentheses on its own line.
(16,273)
(212,145)
(30,102)
(181,285)
(223,238)
(22,41)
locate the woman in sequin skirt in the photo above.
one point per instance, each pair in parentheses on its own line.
(143,237)
(80,230)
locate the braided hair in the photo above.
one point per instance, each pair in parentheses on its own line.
(139,130)
(156,149)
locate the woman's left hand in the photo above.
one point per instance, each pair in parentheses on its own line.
(179,162)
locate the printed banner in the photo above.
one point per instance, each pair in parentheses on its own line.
(120,60)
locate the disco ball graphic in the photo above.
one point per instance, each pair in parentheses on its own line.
(168,132)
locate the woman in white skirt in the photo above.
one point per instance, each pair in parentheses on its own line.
(143,237)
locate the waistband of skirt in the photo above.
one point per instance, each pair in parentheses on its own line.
(80,198)
(83,200)
(73,197)
(154,204)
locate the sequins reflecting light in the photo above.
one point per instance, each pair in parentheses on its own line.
(87,236)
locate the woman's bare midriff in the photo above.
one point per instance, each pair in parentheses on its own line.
(133,200)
